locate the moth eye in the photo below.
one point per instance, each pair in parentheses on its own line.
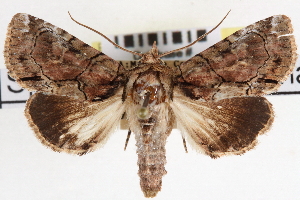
(143,113)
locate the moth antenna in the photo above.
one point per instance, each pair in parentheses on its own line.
(116,45)
(127,139)
(198,39)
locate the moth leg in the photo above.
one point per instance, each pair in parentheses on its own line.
(127,139)
(184,144)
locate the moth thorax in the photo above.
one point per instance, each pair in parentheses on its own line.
(147,92)
(148,89)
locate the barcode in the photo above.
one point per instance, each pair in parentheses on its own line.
(176,38)
(165,41)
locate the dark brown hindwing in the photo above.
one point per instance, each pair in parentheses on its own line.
(71,125)
(228,126)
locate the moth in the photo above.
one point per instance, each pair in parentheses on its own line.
(215,98)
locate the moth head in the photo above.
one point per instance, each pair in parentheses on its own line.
(152,56)
(154,50)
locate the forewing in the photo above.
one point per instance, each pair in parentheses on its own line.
(228,126)
(251,62)
(43,57)
(70,125)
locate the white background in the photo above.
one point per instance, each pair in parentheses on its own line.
(28,170)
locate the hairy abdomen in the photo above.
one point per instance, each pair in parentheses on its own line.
(151,161)
(151,135)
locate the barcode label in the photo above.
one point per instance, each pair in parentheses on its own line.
(165,41)
(12,95)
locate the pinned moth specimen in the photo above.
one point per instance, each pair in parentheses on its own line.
(215,97)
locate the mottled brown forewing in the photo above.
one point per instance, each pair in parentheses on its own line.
(251,62)
(43,57)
